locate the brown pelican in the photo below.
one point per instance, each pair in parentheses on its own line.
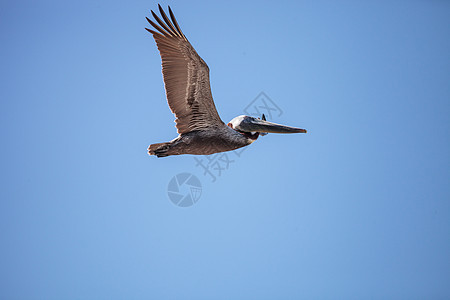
(186,79)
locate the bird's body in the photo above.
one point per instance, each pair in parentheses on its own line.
(186,79)
(202,142)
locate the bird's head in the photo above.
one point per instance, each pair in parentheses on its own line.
(252,127)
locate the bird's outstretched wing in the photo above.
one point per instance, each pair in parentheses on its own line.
(186,77)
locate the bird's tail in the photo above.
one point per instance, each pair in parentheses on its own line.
(159,149)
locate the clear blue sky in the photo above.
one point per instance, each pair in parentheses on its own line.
(358,208)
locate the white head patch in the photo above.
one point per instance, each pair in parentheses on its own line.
(236,121)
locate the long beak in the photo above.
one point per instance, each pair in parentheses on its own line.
(258,125)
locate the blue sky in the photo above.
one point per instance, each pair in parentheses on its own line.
(358,208)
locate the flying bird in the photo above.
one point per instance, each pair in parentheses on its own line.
(186,80)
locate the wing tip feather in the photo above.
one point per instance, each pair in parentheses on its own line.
(170,27)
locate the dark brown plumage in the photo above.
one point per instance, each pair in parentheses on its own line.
(186,77)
